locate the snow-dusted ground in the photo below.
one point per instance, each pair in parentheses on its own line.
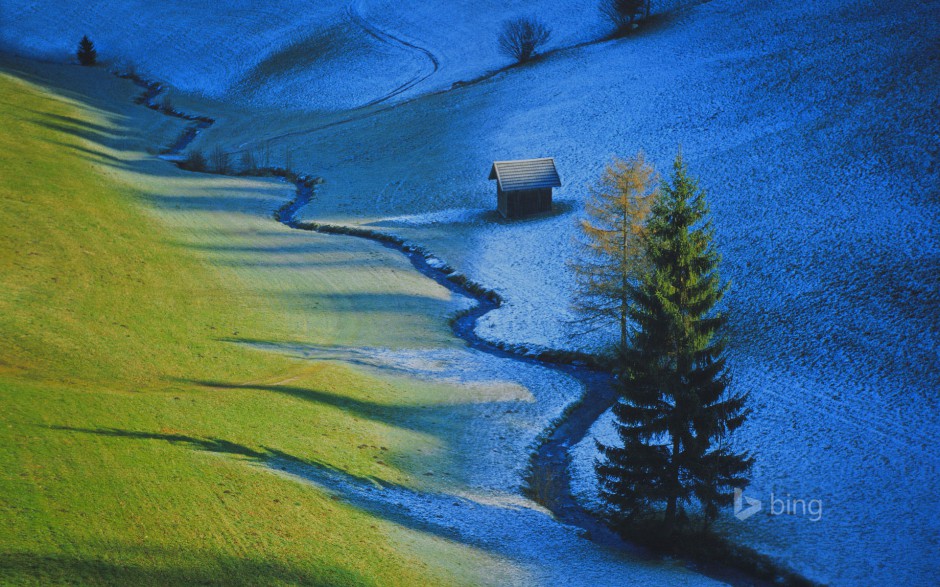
(524,270)
(512,528)
(814,129)
(325,55)
(191,45)
(813,126)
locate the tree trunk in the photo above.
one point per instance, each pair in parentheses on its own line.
(623,329)
(669,519)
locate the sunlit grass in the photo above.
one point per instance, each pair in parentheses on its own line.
(133,424)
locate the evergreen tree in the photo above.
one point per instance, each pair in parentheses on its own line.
(675,412)
(86,52)
(612,249)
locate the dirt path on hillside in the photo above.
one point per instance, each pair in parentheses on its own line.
(354,13)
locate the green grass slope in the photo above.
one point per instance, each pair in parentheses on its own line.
(137,407)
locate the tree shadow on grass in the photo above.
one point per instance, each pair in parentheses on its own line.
(229,199)
(72,125)
(101,156)
(217,445)
(500,523)
(343,485)
(486,521)
(424,418)
(299,246)
(451,366)
(504,524)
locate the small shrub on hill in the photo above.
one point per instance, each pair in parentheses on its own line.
(521,37)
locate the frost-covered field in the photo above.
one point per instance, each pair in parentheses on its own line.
(326,55)
(814,127)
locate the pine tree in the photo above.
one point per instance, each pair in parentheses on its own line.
(612,251)
(86,52)
(675,412)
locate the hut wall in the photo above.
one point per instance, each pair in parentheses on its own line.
(524,202)
(502,202)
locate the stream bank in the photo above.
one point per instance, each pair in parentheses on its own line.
(548,478)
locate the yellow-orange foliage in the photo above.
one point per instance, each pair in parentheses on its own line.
(612,253)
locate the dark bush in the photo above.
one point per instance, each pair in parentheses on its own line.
(220,163)
(194,161)
(624,13)
(521,37)
(265,155)
(249,165)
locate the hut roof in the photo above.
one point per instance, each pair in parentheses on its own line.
(525,174)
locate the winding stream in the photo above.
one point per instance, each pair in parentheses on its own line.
(551,456)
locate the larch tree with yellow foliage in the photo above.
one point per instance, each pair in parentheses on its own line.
(612,244)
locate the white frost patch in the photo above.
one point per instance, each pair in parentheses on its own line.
(435,262)
(450,216)
(583,455)
(504,404)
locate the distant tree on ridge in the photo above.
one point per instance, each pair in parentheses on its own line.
(87,55)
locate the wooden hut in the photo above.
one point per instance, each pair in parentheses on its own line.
(524,187)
